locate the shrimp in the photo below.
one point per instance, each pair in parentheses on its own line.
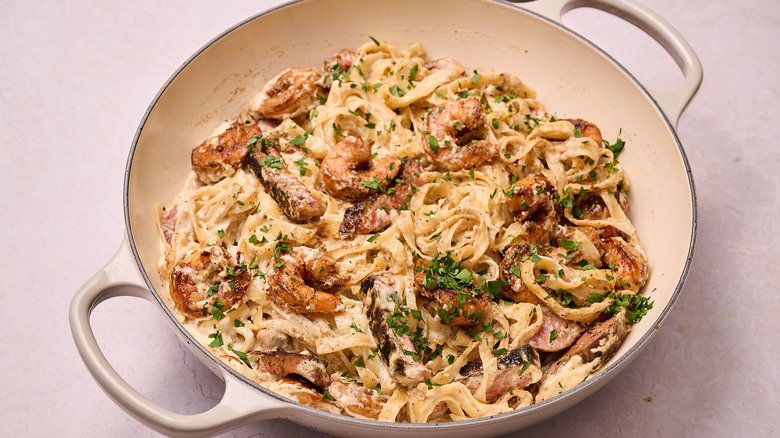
(220,156)
(459,308)
(293,94)
(453,136)
(630,265)
(379,210)
(283,363)
(613,252)
(341,61)
(347,174)
(532,202)
(515,290)
(290,278)
(208,279)
(587,129)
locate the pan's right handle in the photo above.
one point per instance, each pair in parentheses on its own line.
(240,404)
(671,102)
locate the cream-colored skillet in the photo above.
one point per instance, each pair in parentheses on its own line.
(573,79)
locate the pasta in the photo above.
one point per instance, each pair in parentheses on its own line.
(396,238)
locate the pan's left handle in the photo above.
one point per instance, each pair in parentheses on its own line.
(239,405)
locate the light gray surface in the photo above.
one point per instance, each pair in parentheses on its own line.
(76,78)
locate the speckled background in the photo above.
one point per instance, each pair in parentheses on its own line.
(76,78)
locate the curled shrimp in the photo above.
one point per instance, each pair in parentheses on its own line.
(514,288)
(341,61)
(629,264)
(293,94)
(454,136)
(457,308)
(220,156)
(208,279)
(290,281)
(587,129)
(347,172)
(613,252)
(532,202)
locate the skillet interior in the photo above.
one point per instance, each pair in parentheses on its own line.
(573,79)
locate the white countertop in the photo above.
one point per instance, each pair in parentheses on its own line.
(77,77)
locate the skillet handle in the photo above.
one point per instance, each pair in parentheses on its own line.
(671,102)
(239,405)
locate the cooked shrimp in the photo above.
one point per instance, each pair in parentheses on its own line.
(532,202)
(290,278)
(515,290)
(587,129)
(454,136)
(283,363)
(220,156)
(347,170)
(341,61)
(379,210)
(295,93)
(208,279)
(460,308)
(629,264)
(613,252)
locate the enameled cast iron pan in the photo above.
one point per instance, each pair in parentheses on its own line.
(573,79)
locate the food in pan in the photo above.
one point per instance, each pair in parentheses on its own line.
(400,238)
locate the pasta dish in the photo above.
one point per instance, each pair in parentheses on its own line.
(403,239)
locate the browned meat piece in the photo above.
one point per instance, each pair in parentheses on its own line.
(460,308)
(382,297)
(565,332)
(466,313)
(355,398)
(456,136)
(378,211)
(290,194)
(630,265)
(510,272)
(594,348)
(288,282)
(220,156)
(340,62)
(532,201)
(283,363)
(294,93)
(587,129)
(516,370)
(348,166)
(202,278)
